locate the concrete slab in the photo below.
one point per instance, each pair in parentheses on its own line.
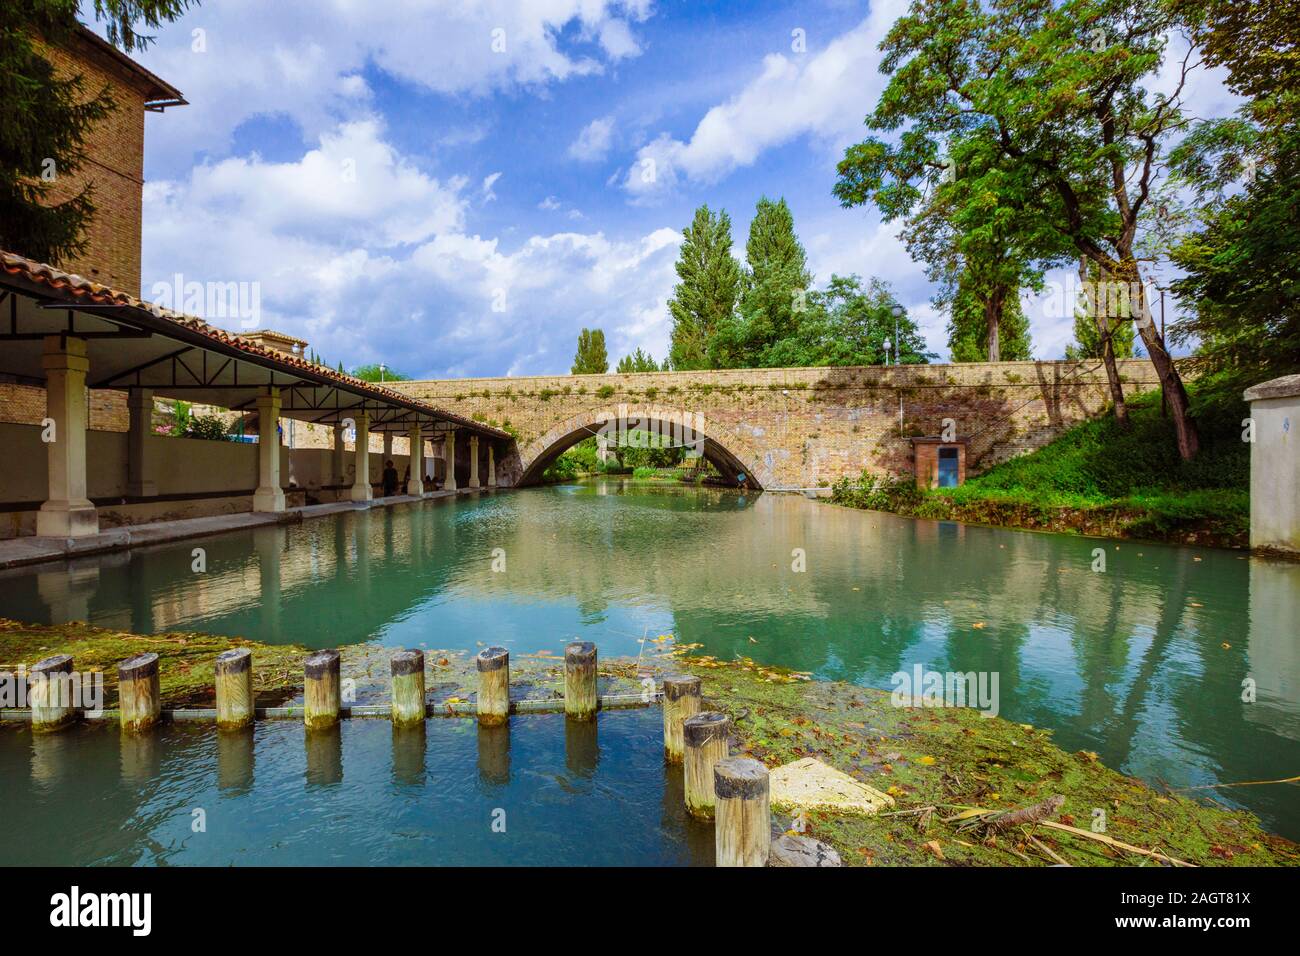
(810,784)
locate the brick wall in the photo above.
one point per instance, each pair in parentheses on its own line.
(25,405)
(114,167)
(800,428)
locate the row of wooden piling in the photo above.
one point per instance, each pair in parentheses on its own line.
(732,791)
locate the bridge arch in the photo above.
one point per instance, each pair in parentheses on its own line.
(725,448)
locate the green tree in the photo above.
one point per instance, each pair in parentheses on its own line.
(373,373)
(970,325)
(638,361)
(1062,91)
(591,358)
(1241,286)
(852,324)
(773,298)
(44,119)
(705,296)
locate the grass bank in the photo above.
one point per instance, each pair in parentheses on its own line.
(1100,479)
(939,765)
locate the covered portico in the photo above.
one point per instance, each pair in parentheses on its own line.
(69,335)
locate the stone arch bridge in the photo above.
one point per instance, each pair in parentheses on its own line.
(788,429)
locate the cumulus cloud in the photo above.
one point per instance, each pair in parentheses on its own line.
(822,94)
(593,143)
(251,58)
(385,268)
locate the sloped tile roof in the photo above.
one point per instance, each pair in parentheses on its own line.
(78,288)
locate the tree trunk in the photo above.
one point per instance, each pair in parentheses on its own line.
(1189,440)
(993,318)
(1094,305)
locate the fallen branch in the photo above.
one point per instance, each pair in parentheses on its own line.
(1243,783)
(1111,841)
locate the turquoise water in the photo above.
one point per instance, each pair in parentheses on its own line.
(544,791)
(1143,662)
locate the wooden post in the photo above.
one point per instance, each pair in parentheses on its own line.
(408,688)
(743,832)
(138,696)
(705,739)
(51,694)
(322,690)
(681,700)
(493,686)
(234,680)
(580,680)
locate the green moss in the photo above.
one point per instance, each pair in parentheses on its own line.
(185,660)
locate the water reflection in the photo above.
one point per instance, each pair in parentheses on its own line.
(1143,663)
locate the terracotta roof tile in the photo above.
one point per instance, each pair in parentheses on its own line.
(80,288)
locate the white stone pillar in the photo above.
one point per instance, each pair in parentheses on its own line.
(1275,464)
(602,448)
(416,485)
(492,467)
(141,459)
(473,461)
(67,512)
(361,490)
(338,467)
(269,495)
(450,456)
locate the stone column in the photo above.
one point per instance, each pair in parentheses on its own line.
(473,461)
(416,439)
(450,456)
(338,467)
(140,460)
(492,466)
(67,512)
(361,483)
(388,446)
(1275,464)
(269,495)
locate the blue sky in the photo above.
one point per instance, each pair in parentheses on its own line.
(457,188)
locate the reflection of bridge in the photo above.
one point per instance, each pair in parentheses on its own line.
(792,428)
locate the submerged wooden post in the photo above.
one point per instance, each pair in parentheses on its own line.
(322,690)
(408,688)
(705,739)
(681,700)
(743,831)
(493,686)
(138,696)
(51,694)
(580,699)
(234,680)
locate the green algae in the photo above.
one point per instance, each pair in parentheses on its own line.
(185,659)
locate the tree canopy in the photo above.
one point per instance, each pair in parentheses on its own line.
(591,358)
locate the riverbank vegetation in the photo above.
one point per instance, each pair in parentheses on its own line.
(1103,478)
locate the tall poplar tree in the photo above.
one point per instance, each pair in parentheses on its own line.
(591,358)
(705,298)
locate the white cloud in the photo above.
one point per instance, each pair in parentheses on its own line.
(384,268)
(593,143)
(550,204)
(486,189)
(277,58)
(823,94)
